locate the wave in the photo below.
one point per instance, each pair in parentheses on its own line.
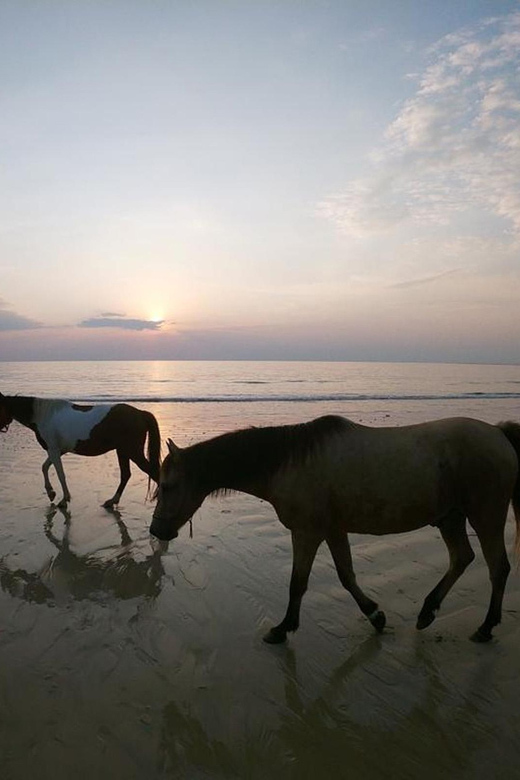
(290,398)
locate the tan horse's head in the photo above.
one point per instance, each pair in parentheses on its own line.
(178,496)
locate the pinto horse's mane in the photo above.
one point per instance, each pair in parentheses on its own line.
(27,408)
(257,452)
(44,406)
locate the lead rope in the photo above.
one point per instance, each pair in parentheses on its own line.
(191,529)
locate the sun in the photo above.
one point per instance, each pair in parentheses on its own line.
(156,315)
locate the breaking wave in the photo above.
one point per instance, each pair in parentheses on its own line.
(301,398)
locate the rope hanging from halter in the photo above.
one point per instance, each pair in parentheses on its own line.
(191,529)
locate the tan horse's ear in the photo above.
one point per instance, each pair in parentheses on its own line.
(173,449)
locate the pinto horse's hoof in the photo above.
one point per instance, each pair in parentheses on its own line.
(275,636)
(109,504)
(51,495)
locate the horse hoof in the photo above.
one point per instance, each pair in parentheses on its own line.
(378,620)
(275,636)
(424,620)
(109,504)
(481,636)
(52,495)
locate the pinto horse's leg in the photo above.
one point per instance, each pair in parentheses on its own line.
(340,549)
(142,463)
(490,532)
(146,467)
(55,457)
(305,546)
(124,469)
(453,531)
(46,481)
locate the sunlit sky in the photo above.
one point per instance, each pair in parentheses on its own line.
(217,179)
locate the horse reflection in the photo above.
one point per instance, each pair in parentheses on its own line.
(70,575)
(368,720)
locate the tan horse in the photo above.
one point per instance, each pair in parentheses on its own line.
(61,426)
(330,477)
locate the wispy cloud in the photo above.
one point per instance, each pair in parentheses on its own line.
(10,320)
(424,280)
(120,321)
(454,146)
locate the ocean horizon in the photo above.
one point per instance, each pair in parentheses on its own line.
(142,381)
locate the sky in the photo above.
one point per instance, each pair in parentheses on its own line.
(267,179)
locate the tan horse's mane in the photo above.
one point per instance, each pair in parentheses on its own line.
(261,452)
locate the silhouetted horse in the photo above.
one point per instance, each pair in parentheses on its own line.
(329,477)
(61,426)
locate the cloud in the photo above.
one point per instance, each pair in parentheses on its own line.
(10,320)
(120,321)
(424,280)
(453,147)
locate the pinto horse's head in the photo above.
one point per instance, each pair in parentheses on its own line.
(178,497)
(6,418)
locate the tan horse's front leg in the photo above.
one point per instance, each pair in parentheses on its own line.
(339,547)
(305,547)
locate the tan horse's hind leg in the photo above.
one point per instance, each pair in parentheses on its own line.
(490,531)
(453,530)
(305,547)
(339,547)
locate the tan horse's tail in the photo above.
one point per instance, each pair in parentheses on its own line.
(154,449)
(512,432)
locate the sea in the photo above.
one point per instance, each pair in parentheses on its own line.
(252,382)
(201,398)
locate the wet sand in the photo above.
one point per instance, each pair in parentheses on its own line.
(118,660)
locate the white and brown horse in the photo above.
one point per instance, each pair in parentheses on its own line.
(61,426)
(330,477)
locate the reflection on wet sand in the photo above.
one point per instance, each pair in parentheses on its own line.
(406,709)
(186,745)
(377,715)
(87,576)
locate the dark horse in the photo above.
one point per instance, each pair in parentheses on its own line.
(329,477)
(61,426)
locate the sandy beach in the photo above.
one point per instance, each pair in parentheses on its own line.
(121,659)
